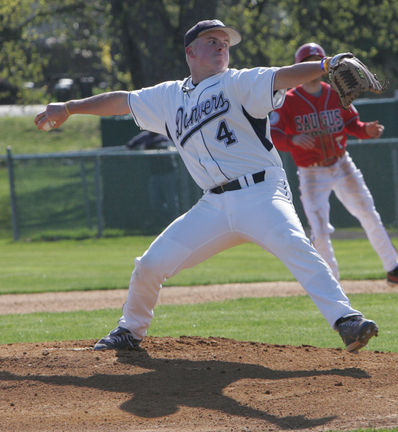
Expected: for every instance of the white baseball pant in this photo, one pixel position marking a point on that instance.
(263, 214)
(347, 182)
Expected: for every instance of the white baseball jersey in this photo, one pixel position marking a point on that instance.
(220, 126)
(221, 130)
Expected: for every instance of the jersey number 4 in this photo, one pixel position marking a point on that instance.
(225, 134)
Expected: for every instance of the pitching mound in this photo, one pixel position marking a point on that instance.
(194, 385)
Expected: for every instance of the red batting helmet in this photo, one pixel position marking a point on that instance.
(307, 50)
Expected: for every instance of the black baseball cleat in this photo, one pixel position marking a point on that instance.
(356, 331)
(392, 276)
(118, 339)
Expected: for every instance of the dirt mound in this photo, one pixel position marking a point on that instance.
(191, 384)
(194, 385)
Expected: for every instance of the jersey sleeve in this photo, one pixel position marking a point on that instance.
(255, 89)
(280, 130)
(353, 125)
(147, 108)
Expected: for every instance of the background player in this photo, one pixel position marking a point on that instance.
(313, 127)
(218, 120)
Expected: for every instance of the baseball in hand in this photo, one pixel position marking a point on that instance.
(47, 124)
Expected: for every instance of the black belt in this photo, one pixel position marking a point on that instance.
(235, 185)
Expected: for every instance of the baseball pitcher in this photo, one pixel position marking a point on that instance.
(218, 120)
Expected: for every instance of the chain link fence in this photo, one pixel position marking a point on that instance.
(135, 192)
(140, 192)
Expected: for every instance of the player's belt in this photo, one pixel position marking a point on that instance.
(327, 162)
(235, 184)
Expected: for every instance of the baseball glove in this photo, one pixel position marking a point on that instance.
(350, 78)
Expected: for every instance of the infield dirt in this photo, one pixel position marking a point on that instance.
(194, 384)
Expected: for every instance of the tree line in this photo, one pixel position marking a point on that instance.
(128, 44)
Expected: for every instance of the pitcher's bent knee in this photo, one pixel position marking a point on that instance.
(149, 268)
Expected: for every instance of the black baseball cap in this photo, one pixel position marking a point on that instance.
(207, 25)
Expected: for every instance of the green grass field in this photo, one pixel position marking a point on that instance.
(288, 320)
(107, 263)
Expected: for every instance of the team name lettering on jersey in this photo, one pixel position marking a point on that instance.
(187, 123)
(329, 121)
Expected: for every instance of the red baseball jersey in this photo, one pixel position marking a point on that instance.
(321, 117)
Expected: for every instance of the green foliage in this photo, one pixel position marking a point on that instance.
(44, 40)
(153, 53)
(273, 30)
(118, 44)
(19, 58)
